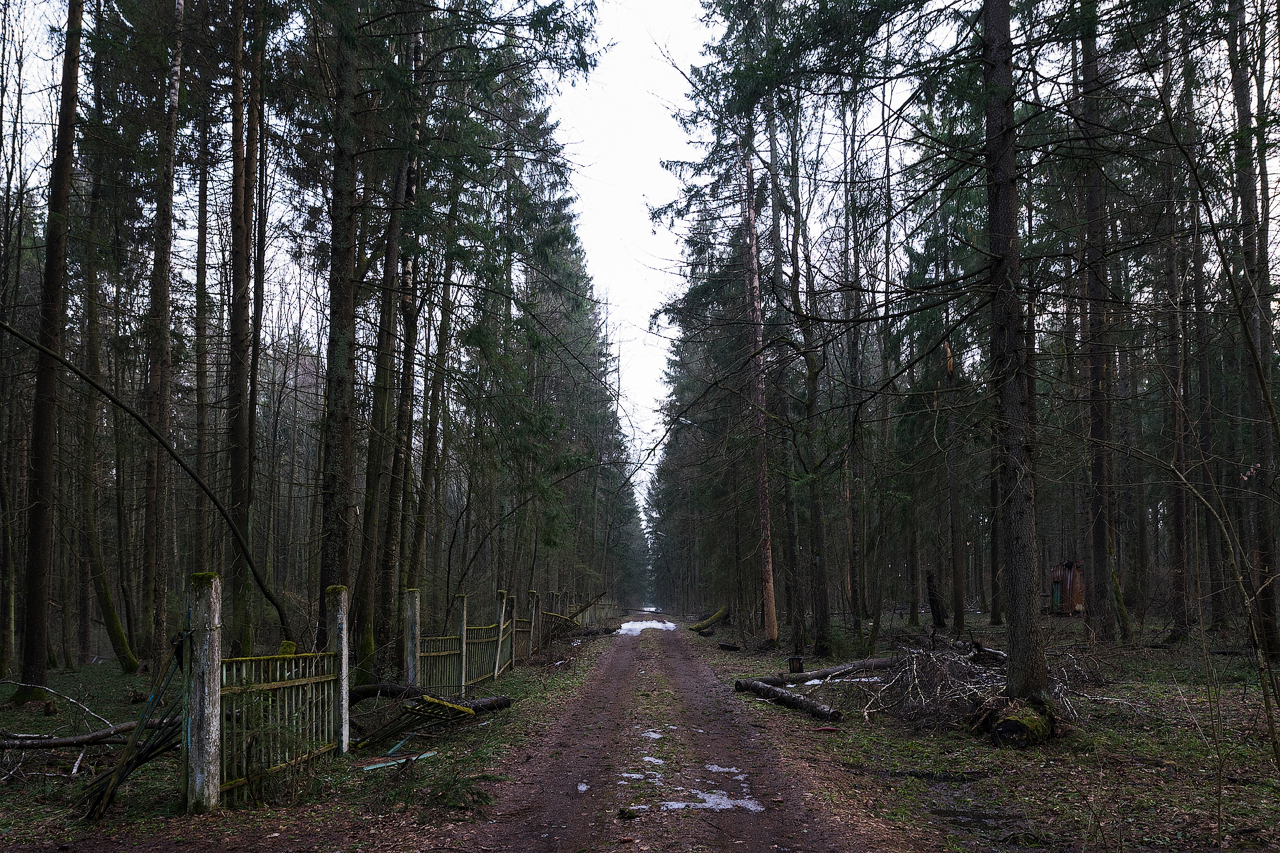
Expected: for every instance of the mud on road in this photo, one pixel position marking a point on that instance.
(654, 754)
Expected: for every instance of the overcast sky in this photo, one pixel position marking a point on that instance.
(618, 128)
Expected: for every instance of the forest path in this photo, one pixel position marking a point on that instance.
(654, 753)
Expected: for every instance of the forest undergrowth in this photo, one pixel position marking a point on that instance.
(38, 789)
(1157, 749)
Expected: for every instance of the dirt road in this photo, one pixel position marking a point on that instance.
(655, 754)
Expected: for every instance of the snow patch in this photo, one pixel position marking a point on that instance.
(582, 787)
(633, 629)
(652, 760)
(717, 801)
(651, 734)
(716, 768)
(632, 775)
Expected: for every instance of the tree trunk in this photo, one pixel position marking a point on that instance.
(337, 524)
(1028, 674)
(997, 603)
(44, 415)
(371, 610)
(239, 417)
(1101, 614)
(759, 418)
(91, 541)
(1257, 299)
(155, 565)
(953, 500)
(200, 543)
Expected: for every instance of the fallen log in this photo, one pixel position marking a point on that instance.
(719, 616)
(868, 665)
(730, 647)
(487, 705)
(88, 738)
(788, 699)
(983, 656)
(404, 691)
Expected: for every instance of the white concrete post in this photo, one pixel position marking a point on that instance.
(502, 621)
(533, 621)
(339, 637)
(462, 646)
(515, 625)
(204, 717)
(412, 637)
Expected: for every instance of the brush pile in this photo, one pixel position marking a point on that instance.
(938, 683)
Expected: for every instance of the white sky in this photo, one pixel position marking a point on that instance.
(618, 128)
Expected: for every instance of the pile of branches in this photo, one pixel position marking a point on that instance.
(940, 683)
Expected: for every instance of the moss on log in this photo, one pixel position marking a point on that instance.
(1013, 722)
(719, 616)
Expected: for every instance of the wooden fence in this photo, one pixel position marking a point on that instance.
(477, 654)
(249, 718)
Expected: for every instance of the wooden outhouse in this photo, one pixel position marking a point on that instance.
(1066, 587)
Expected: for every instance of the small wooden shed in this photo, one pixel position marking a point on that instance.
(1066, 587)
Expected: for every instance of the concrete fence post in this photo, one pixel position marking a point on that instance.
(339, 639)
(204, 716)
(502, 621)
(462, 646)
(515, 626)
(412, 637)
(533, 621)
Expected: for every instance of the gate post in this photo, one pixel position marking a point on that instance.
(533, 621)
(502, 621)
(204, 718)
(339, 639)
(462, 646)
(412, 637)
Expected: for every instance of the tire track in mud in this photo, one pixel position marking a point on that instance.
(654, 733)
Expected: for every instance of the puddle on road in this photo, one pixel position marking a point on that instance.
(633, 629)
